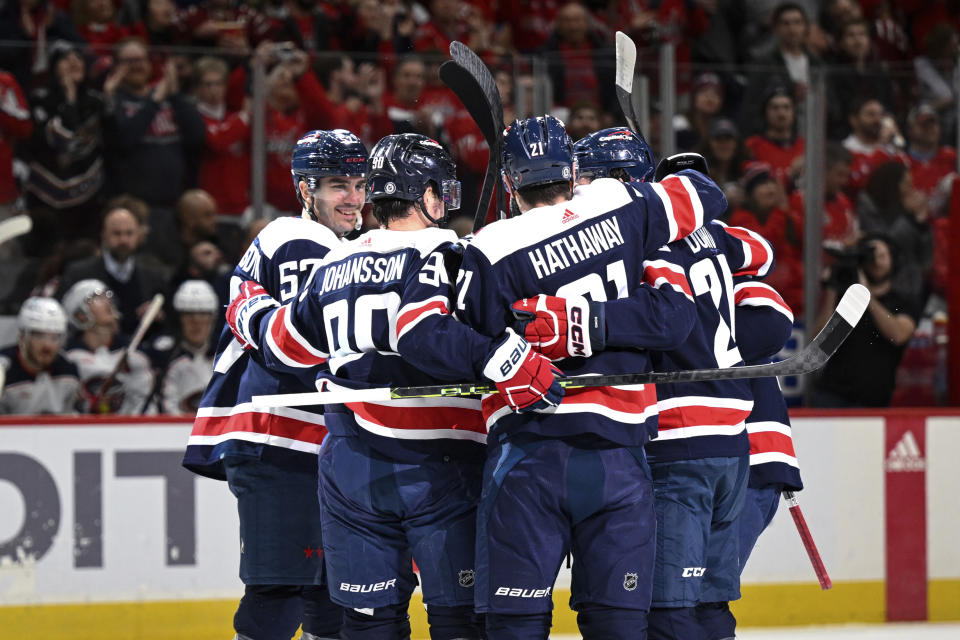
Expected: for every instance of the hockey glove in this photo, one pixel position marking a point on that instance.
(244, 312)
(679, 162)
(526, 380)
(561, 327)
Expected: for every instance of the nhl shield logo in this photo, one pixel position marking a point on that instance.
(630, 581)
(466, 578)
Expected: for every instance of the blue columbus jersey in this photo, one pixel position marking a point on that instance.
(706, 419)
(593, 245)
(283, 258)
(378, 311)
(764, 322)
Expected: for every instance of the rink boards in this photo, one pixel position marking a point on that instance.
(103, 534)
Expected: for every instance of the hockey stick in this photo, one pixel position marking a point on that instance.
(626, 62)
(14, 227)
(148, 317)
(812, 357)
(807, 538)
(475, 67)
(466, 88)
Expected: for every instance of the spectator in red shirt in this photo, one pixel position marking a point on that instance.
(778, 144)
(452, 20)
(932, 166)
(15, 124)
(96, 23)
(404, 110)
(225, 166)
(867, 142)
(529, 20)
(578, 60)
(765, 211)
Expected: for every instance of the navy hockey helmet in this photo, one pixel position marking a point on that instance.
(615, 148)
(403, 165)
(538, 151)
(319, 154)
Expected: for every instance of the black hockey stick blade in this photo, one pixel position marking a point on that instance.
(626, 62)
(471, 62)
(846, 316)
(468, 90)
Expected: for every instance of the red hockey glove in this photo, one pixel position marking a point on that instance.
(561, 327)
(525, 379)
(244, 312)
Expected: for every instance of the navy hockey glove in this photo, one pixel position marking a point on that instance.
(244, 312)
(526, 380)
(561, 327)
(679, 162)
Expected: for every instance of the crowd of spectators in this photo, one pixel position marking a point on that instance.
(126, 126)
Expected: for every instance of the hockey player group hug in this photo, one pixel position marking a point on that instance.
(609, 265)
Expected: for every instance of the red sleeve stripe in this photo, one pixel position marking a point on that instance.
(681, 204)
(771, 438)
(423, 419)
(660, 272)
(680, 417)
(634, 404)
(258, 426)
(757, 252)
(411, 314)
(758, 294)
(286, 343)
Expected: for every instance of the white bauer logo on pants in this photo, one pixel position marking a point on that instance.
(518, 592)
(367, 588)
(693, 572)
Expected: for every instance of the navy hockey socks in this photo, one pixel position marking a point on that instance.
(717, 620)
(322, 618)
(598, 622)
(530, 626)
(674, 624)
(453, 623)
(268, 612)
(384, 623)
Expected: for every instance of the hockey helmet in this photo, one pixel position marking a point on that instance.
(41, 314)
(77, 297)
(615, 148)
(195, 296)
(403, 165)
(319, 154)
(538, 151)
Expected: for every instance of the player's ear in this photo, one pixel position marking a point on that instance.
(305, 193)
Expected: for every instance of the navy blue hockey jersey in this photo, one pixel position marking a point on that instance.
(706, 419)
(27, 392)
(593, 245)
(283, 258)
(379, 311)
(764, 322)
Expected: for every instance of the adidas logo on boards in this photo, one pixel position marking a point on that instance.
(568, 216)
(905, 455)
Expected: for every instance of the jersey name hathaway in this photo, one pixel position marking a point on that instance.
(363, 269)
(575, 247)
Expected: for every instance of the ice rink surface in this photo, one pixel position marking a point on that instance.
(903, 631)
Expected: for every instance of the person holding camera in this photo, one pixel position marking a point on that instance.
(863, 371)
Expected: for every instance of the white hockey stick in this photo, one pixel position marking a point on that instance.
(14, 227)
(847, 314)
(156, 304)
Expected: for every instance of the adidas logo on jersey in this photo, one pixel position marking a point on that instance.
(568, 216)
(905, 455)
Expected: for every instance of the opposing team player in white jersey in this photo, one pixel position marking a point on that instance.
(268, 456)
(399, 479)
(698, 459)
(574, 477)
(39, 379)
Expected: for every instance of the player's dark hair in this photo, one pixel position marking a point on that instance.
(386, 210)
(619, 173)
(783, 7)
(541, 194)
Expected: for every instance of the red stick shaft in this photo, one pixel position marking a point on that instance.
(807, 538)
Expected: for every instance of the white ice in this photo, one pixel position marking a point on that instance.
(889, 631)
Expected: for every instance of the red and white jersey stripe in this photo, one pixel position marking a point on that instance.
(771, 442)
(682, 205)
(284, 427)
(757, 252)
(287, 343)
(758, 294)
(411, 314)
(660, 273)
